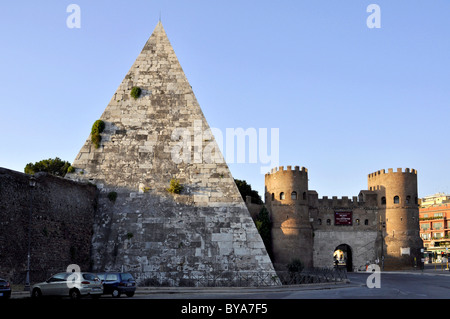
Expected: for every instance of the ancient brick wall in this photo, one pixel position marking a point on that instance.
(62, 215)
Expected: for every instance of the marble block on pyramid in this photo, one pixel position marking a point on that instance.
(148, 141)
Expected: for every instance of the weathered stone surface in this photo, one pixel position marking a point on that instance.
(62, 214)
(205, 228)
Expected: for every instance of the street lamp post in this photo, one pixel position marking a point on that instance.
(382, 225)
(27, 279)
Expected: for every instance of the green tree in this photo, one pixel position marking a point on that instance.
(262, 221)
(246, 190)
(54, 166)
(264, 226)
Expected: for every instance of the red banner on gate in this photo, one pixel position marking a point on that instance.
(343, 218)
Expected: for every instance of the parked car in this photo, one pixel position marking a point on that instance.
(73, 285)
(117, 283)
(5, 289)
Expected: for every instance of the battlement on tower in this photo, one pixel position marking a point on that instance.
(368, 199)
(282, 170)
(344, 201)
(391, 171)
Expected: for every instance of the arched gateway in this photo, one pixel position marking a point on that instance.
(342, 257)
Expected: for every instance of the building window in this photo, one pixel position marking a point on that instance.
(328, 222)
(408, 199)
(273, 196)
(319, 221)
(294, 195)
(437, 226)
(357, 221)
(281, 195)
(396, 200)
(383, 200)
(366, 222)
(304, 195)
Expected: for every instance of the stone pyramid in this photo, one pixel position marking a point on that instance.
(162, 135)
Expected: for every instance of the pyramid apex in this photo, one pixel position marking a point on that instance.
(159, 26)
(158, 31)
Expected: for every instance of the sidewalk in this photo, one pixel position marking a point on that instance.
(171, 290)
(206, 290)
(431, 269)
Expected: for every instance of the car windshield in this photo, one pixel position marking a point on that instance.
(127, 277)
(58, 277)
(90, 277)
(111, 277)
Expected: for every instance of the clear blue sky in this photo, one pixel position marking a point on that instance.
(348, 100)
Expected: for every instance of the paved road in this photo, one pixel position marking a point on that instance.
(392, 286)
(428, 284)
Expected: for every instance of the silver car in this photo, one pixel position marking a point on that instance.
(73, 285)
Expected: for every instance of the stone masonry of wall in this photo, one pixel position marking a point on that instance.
(363, 236)
(384, 223)
(62, 215)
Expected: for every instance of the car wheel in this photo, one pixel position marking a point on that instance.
(36, 293)
(130, 294)
(74, 294)
(116, 293)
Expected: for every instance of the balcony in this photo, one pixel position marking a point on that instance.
(432, 218)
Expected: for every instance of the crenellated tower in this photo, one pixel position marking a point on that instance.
(286, 198)
(398, 205)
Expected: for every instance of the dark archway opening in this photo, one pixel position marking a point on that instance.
(342, 257)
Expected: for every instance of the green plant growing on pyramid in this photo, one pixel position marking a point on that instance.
(97, 128)
(135, 92)
(175, 187)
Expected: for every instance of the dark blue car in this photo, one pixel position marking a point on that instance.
(5, 289)
(118, 283)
